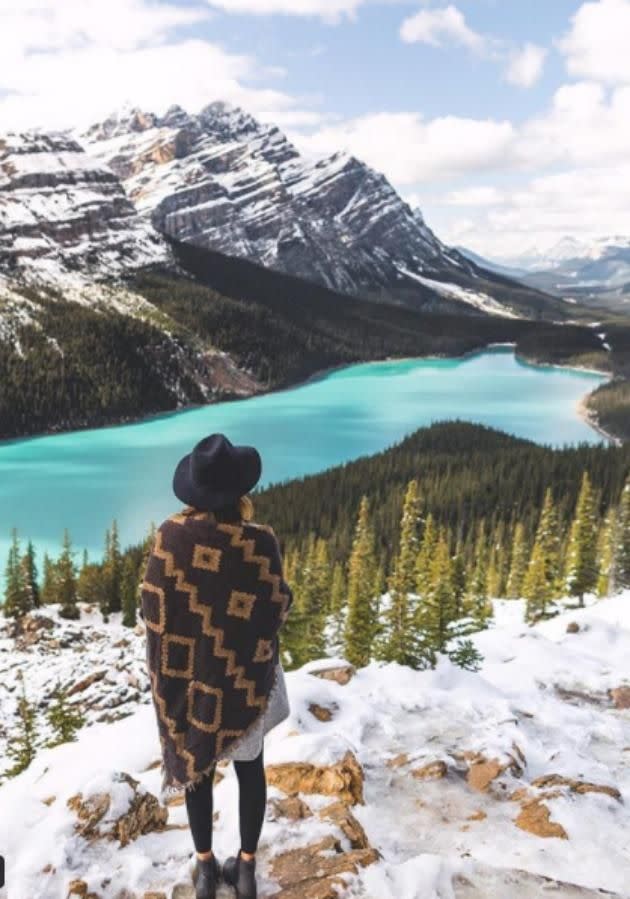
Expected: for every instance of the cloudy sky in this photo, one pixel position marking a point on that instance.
(506, 121)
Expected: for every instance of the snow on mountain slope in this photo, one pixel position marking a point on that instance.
(477, 299)
(62, 211)
(474, 785)
(222, 180)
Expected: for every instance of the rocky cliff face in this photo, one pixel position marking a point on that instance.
(220, 179)
(63, 211)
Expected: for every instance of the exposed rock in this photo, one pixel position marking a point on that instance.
(398, 761)
(484, 881)
(29, 629)
(575, 786)
(339, 673)
(321, 712)
(431, 771)
(481, 773)
(143, 815)
(313, 871)
(344, 779)
(77, 889)
(86, 682)
(535, 818)
(340, 814)
(478, 815)
(153, 894)
(573, 627)
(291, 807)
(621, 697)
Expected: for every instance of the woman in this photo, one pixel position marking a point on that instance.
(213, 601)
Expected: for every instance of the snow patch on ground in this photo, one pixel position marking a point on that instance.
(541, 689)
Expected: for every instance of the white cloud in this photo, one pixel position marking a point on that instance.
(331, 11)
(526, 66)
(409, 150)
(475, 196)
(596, 45)
(72, 63)
(440, 26)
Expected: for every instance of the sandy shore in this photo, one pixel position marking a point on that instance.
(590, 418)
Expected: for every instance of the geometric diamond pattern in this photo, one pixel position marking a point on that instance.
(205, 706)
(241, 604)
(206, 557)
(177, 656)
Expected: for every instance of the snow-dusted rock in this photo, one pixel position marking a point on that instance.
(62, 211)
(343, 778)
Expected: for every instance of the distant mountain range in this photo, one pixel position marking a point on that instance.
(596, 272)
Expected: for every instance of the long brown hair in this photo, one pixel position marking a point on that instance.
(241, 510)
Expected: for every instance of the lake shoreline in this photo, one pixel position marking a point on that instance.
(319, 375)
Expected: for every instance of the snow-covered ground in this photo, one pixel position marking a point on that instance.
(540, 705)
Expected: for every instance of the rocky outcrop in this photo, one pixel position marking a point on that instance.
(343, 779)
(621, 697)
(535, 818)
(341, 674)
(64, 211)
(316, 871)
(143, 813)
(431, 771)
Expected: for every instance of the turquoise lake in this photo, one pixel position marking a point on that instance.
(84, 479)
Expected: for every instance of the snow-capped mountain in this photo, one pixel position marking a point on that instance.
(571, 267)
(63, 211)
(384, 783)
(222, 180)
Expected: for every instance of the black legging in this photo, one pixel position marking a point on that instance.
(252, 799)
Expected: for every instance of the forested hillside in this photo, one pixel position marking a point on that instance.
(451, 517)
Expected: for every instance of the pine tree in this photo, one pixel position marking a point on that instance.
(129, 589)
(64, 719)
(17, 597)
(425, 555)
(581, 570)
(477, 605)
(536, 586)
(622, 541)
(458, 580)
(437, 609)
(50, 581)
(67, 581)
(315, 590)
(360, 621)
(518, 563)
(23, 747)
(29, 567)
(548, 536)
(606, 555)
(112, 571)
(397, 639)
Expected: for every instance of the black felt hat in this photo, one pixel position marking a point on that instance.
(216, 473)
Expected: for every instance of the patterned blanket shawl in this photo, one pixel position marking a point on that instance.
(213, 600)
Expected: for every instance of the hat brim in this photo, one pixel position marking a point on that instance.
(214, 498)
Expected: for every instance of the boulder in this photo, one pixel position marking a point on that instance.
(344, 779)
(482, 772)
(431, 771)
(621, 697)
(535, 818)
(144, 814)
(291, 807)
(397, 761)
(339, 673)
(29, 629)
(340, 814)
(86, 681)
(316, 871)
(321, 712)
(77, 889)
(573, 627)
(575, 786)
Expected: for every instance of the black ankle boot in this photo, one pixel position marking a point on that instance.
(206, 876)
(241, 874)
